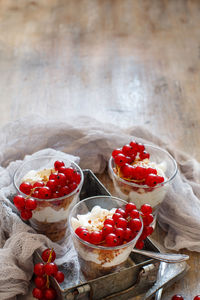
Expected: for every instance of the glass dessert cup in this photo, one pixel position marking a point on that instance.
(142, 194)
(95, 260)
(51, 215)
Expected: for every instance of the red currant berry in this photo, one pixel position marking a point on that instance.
(95, 237)
(30, 204)
(79, 230)
(56, 195)
(134, 146)
(140, 147)
(35, 194)
(77, 177)
(111, 240)
(144, 155)
(58, 164)
(151, 171)
(121, 211)
(26, 214)
(50, 269)
(59, 276)
(40, 281)
(38, 184)
(134, 214)
(72, 186)
(61, 179)
(160, 179)
(69, 173)
(109, 221)
(146, 209)
(135, 224)
(39, 269)
(129, 160)
(44, 193)
(37, 293)
(147, 219)
(52, 176)
(65, 190)
(46, 254)
(139, 244)
(120, 232)
(197, 297)
(25, 187)
(19, 202)
(127, 150)
(116, 152)
(127, 170)
(129, 207)
(107, 229)
(52, 184)
(177, 297)
(116, 216)
(85, 235)
(127, 234)
(121, 223)
(120, 159)
(147, 230)
(50, 294)
(151, 180)
(140, 173)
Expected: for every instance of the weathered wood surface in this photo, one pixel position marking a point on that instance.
(123, 61)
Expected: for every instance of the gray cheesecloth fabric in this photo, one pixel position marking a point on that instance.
(92, 142)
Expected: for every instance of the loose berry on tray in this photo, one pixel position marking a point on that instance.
(59, 276)
(44, 290)
(177, 297)
(39, 269)
(46, 254)
(197, 297)
(37, 293)
(50, 294)
(50, 268)
(40, 281)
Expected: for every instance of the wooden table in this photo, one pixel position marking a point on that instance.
(124, 61)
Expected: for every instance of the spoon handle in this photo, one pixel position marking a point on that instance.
(166, 257)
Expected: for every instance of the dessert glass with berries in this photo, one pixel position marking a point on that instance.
(48, 187)
(104, 231)
(142, 173)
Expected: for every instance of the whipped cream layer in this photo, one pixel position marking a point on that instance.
(41, 175)
(94, 221)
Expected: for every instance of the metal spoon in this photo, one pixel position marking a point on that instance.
(166, 257)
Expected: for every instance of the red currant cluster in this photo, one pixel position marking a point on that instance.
(128, 161)
(43, 290)
(60, 183)
(179, 297)
(121, 228)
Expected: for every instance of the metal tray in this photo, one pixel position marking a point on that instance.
(136, 278)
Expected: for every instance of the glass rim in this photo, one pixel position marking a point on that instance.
(52, 199)
(97, 246)
(144, 185)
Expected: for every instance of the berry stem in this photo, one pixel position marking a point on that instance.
(50, 256)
